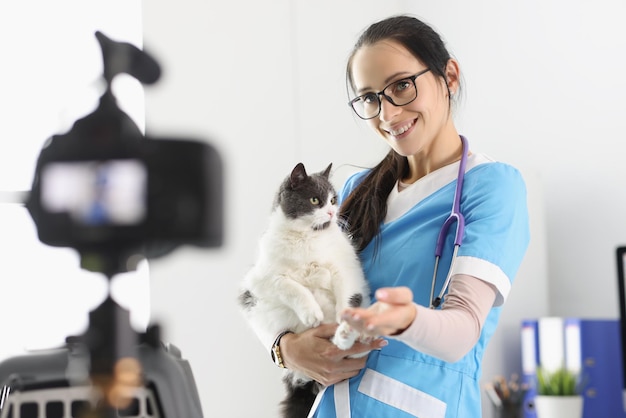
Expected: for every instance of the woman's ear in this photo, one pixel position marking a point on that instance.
(452, 75)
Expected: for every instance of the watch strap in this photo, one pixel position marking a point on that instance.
(277, 357)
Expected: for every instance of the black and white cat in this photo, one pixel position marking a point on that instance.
(306, 273)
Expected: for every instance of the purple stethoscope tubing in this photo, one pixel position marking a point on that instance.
(455, 216)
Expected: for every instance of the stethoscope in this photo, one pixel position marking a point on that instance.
(455, 216)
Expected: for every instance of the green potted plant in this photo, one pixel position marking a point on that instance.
(559, 394)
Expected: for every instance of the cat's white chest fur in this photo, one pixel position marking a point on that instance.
(287, 244)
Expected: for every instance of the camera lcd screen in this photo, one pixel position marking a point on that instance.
(94, 193)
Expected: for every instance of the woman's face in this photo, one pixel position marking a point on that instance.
(413, 128)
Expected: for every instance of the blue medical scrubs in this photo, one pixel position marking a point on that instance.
(399, 381)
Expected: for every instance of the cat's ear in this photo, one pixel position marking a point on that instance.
(298, 175)
(326, 172)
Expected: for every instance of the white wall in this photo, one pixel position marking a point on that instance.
(544, 91)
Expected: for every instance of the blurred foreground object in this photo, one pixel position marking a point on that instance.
(117, 197)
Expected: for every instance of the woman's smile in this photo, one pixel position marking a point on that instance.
(402, 130)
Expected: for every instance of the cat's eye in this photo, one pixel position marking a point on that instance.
(315, 201)
(333, 200)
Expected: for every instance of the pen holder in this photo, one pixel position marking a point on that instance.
(507, 398)
(509, 409)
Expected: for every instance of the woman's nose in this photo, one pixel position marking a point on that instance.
(387, 110)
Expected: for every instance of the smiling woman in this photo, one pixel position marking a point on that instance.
(49, 78)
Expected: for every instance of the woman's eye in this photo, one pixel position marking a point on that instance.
(370, 98)
(315, 201)
(401, 85)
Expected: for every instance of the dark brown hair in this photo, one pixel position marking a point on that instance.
(365, 208)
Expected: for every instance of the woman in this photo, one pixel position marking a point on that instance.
(428, 365)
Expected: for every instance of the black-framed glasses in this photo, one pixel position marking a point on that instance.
(399, 93)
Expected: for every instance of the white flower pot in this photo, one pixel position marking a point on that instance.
(559, 406)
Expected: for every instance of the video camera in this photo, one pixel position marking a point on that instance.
(106, 190)
(116, 195)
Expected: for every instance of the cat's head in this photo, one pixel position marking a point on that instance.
(308, 198)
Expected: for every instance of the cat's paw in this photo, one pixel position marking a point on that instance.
(345, 336)
(311, 317)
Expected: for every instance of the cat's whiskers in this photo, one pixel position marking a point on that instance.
(343, 223)
(321, 227)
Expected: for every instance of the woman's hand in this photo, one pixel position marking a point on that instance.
(312, 353)
(393, 312)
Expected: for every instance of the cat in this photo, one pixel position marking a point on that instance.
(307, 273)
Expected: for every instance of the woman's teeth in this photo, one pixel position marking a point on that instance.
(402, 129)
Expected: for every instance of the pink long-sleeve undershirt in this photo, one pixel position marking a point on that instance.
(449, 333)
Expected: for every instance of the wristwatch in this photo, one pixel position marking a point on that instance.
(276, 356)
